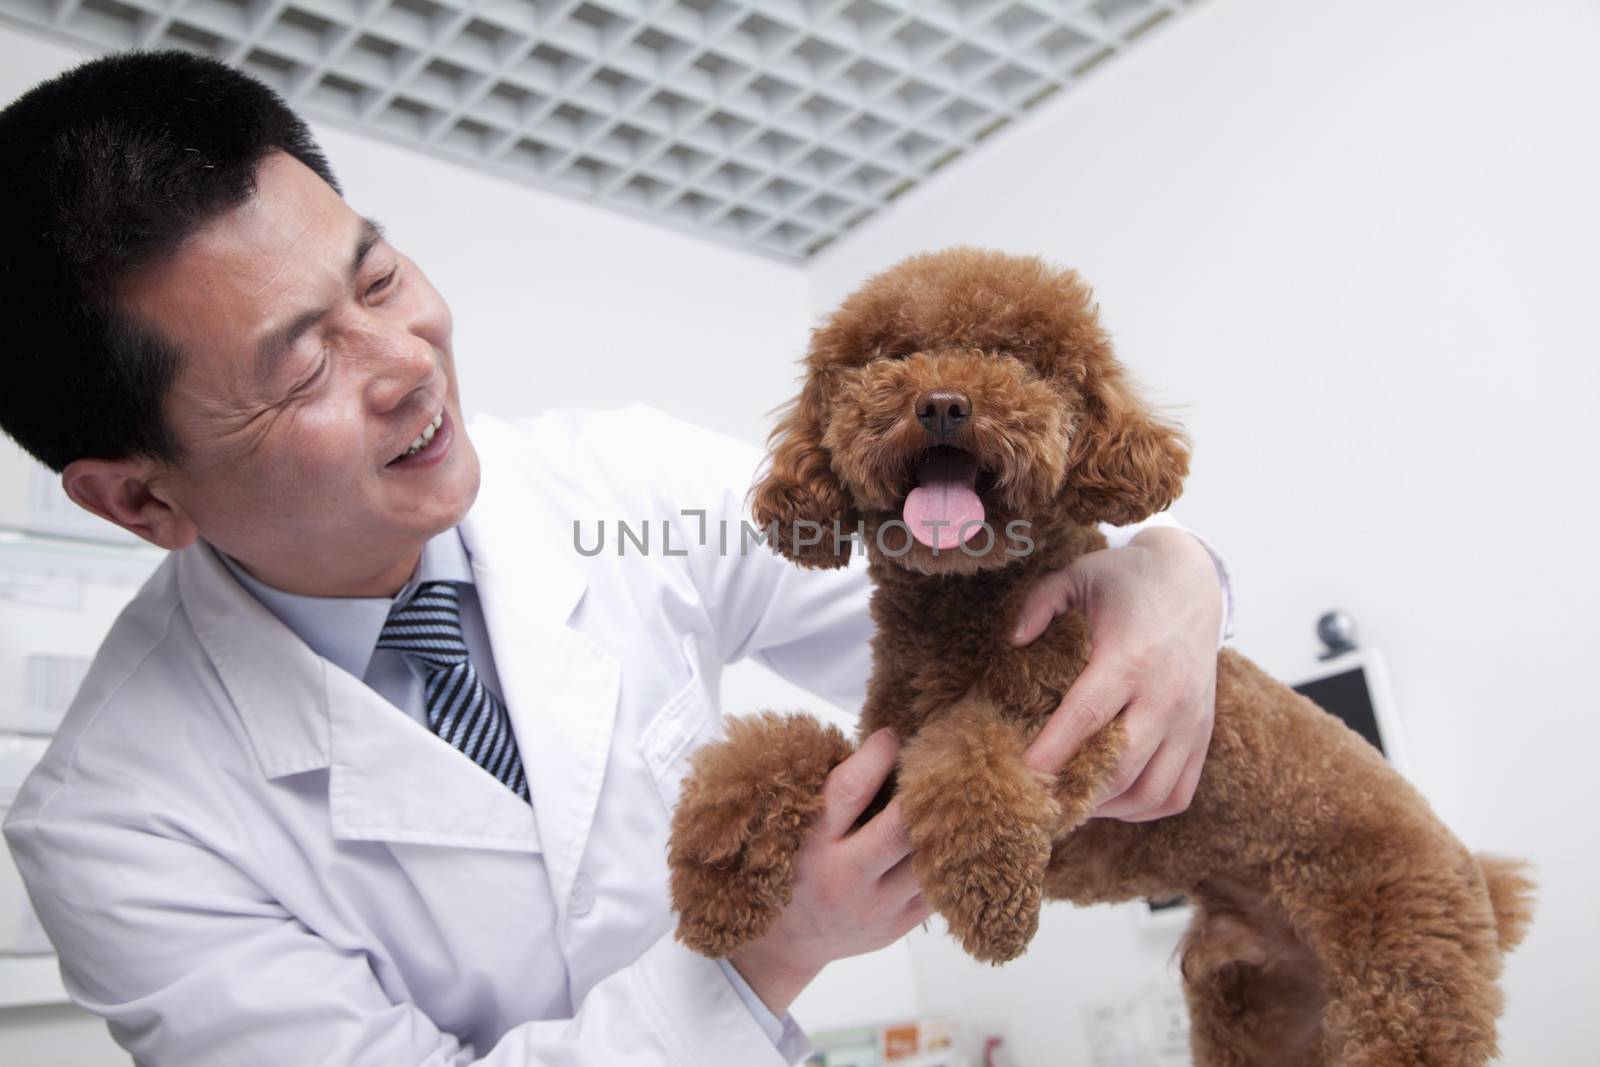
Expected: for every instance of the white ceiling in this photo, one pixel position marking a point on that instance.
(775, 125)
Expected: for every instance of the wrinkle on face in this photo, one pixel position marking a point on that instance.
(283, 261)
(284, 466)
(220, 410)
(232, 431)
(224, 416)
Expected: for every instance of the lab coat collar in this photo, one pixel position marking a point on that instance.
(389, 778)
(277, 684)
(561, 689)
(345, 630)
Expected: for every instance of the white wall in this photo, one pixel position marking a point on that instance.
(1356, 242)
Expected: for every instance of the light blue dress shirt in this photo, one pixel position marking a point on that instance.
(344, 631)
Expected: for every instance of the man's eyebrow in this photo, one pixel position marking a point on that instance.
(279, 341)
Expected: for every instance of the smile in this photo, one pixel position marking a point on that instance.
(425, 436)
(421, 442)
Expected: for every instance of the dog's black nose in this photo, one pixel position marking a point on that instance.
(942, 411)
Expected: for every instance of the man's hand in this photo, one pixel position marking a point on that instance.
(1154, 610)
(853, 892)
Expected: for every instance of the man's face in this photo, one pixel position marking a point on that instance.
(313, 355)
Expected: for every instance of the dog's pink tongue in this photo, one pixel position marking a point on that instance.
(945, 499)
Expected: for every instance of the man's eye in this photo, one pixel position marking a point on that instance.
(380, 285)
(311, 379)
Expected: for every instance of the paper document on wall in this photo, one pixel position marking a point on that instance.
(49, 682)
(27, 937)
(1149, 1028)
(32, 563)
(18, 755)
(58, 599)
(20, 932)
(39, 591)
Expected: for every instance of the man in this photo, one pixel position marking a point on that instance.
(377, 768)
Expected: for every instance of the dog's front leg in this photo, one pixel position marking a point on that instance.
(1079, 785)
(981, 823)
(746, 808)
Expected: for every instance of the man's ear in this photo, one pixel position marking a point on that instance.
(799, 494)
(120, 491)
(1125, 463)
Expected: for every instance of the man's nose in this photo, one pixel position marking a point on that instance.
(401, 366)
(942, 411)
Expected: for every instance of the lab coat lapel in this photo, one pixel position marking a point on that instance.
(392, 779)
(389, 777)
(560, 688)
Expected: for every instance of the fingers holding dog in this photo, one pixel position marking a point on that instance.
(1095, 699)
(851, 786)
(1159, 773)
(882, 844)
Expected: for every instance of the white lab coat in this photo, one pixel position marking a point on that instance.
(247, 858)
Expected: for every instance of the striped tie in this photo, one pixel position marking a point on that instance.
(427, 630)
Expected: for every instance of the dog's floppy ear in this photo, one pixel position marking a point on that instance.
(1125, 463)
(800, 499)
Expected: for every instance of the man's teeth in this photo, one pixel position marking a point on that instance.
(425, 436)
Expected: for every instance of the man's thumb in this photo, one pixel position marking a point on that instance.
(1048, 597)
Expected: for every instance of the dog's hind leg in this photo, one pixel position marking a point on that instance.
(1409, 953)
(746, 807)
(1254, 989)
(981, 824)
(1246, 1015)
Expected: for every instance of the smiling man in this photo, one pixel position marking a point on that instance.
(377, 769)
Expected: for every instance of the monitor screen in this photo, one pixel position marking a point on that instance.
(1348, 696)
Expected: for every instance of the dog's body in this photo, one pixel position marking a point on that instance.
(1337, 921)
(1287, 865)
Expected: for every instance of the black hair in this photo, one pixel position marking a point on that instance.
(104, 169)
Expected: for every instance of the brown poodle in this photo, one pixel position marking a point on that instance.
(964, 416)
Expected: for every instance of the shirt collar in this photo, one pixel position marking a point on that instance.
(345, 630)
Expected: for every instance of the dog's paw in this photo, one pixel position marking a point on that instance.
(987, 887)
(1079, 785)
(721, 909)
(981, 823)
(723, 900)
(743, 813)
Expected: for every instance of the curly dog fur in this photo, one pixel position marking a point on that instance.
(1336, 921)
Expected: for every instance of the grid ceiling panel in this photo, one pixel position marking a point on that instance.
(771, 124)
